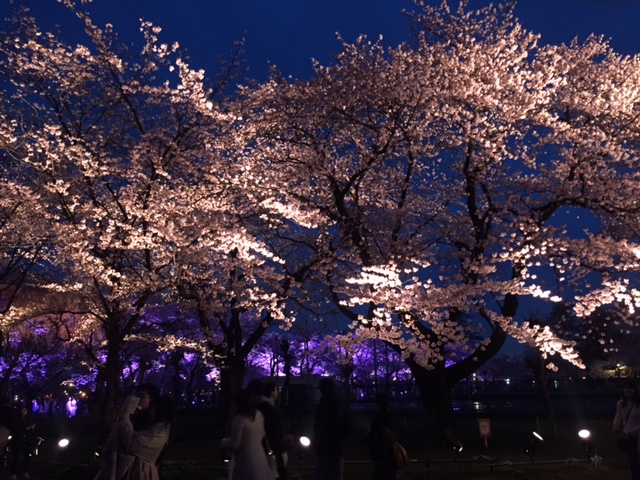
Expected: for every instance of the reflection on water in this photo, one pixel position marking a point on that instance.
(533, 404)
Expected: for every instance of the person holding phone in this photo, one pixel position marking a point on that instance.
(146, 444)
(145, 392)
(132, 454)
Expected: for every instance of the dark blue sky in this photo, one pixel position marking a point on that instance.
(289, 33)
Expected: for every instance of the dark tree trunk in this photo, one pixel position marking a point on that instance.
(435, 386)
(231, 379)
(285, 349)
(437, 403)
(537, 365)
(109, 405)
(176, 358)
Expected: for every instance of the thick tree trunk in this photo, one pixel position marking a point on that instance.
(435, 386)
(437, 403)
(231, 379)
(285, 349)
(176, 358)
(539, 368)
(109, 406)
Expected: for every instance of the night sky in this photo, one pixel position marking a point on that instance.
(288, 33)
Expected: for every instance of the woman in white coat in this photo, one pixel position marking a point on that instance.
(131, 454)
(246, 444)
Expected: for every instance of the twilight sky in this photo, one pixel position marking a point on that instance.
(289, 33)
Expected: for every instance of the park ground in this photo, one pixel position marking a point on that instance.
(194, 454)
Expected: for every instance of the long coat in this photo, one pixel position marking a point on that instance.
(131, 455)
(249, 459)
(145, 446)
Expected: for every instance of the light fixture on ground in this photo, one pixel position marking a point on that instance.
(305, 442)
(454, 443)
(587, 443)
(534, 444)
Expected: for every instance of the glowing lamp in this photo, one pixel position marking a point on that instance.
(534, 443)
(587, 443)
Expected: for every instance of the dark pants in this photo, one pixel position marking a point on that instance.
(634, 459)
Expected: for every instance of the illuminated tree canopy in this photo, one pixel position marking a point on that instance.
(419, 192)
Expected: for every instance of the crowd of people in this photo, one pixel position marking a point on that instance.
(258, 443)
(17, 430)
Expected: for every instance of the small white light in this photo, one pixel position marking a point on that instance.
(63, 442)
(304, 441)
(538, 436)
(584, 434)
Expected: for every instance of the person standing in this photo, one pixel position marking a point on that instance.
(7, 421)
(246, 444)
(381, 440)
(133, 454)
(146, 443)
(115, 461)
(21, 440)
(331, 426)
(145, 392)
(274, 426)
(626, 424)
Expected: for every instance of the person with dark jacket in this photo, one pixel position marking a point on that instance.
(381, 440)
(22, 438)
(626, 424)
(331, 426)
(274, 426)
(8, 417)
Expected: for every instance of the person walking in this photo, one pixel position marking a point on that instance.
(381, 440)
(331, 426)
(274, 426)
(626, 424)
(249, 460)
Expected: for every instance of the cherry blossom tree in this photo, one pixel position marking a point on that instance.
(23, 241)
(438, 179)
(422, 192)
(115, 143)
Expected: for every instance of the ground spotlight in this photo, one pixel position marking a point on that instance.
(587, 443)
(454, 443)
(534, 443)
(64, 442)
(305, 442)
